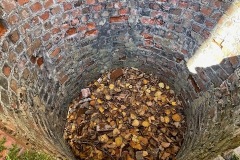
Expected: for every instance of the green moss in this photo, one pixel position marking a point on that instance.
(235, 157)
(13, 153)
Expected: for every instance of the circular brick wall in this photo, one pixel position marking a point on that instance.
(50, 49)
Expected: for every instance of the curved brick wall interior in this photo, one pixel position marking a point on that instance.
(50, 49)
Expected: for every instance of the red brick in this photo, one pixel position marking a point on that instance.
(91, 32)
(206, 11)
(91, 25)
(90, 1)
(56, 10)
(33, 59)
(6, 70)
(36, 7)
(147, 36)
(8, 5)
(123, 11)
(45, 15)
(118, 19)
(40, 61)
(147, 21)
(55, 30)
(48, 3)
(71, 31)
(82, 28)
(183, 4)
(13, 19)
(206, 34)
(97, 8)
(209, 24)
(14, 85)
(55, 52)
(196, 28)
(63, 79)
(46, 36)
(22, 2)
(67, 6)
(75, 22)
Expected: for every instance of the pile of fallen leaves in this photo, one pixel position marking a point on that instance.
(128, 115)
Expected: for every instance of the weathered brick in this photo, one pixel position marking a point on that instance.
(90, 1)
(40, 61)
(93, 32)
(22, 2)
(118, 19)
(67, 6)
(6, 70)
(14, 36)
(3, 29)
(4, 97)
(123, 11)
(91, 25)
(3, 82)
(8, 5)
(55, 10)
(206, 10)
(14, 85)
(13, 19)
(176, 11)
(36, 7)
(199, 18)
(71, 31)
(45, 15)
(97, 8)
(55, 52)
(19, 48)
(25, 73)
(48, 3)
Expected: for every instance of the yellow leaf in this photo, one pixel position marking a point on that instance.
(108, 97)
(161, 85)
(124, 114)
(144, 153)
(103, 138)
(111, 86)
(176, 117)
(174, 103)
(167, 111)
(133, 116)
(135, 139)
(153, 88)
(166, 119)
(101, 109)
(145, 124)
(167, 87)
(158, 94)
(99, 101)
(135, 123)
(116, 132)
(118, 141)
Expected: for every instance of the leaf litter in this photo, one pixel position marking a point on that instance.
(125, 115)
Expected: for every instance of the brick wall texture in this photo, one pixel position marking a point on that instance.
(50, 49)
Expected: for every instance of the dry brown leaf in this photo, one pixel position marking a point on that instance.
(116, 132)
(165, 144)
(103, 138)
(165, 155)
(101, 109)
(167, 111)
(145, 81)
(135, 123)
(133, 116)
(135, 145)
(176, 117)
(174, 103)
(108, 97)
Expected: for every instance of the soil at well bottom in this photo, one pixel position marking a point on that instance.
(125, 115)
